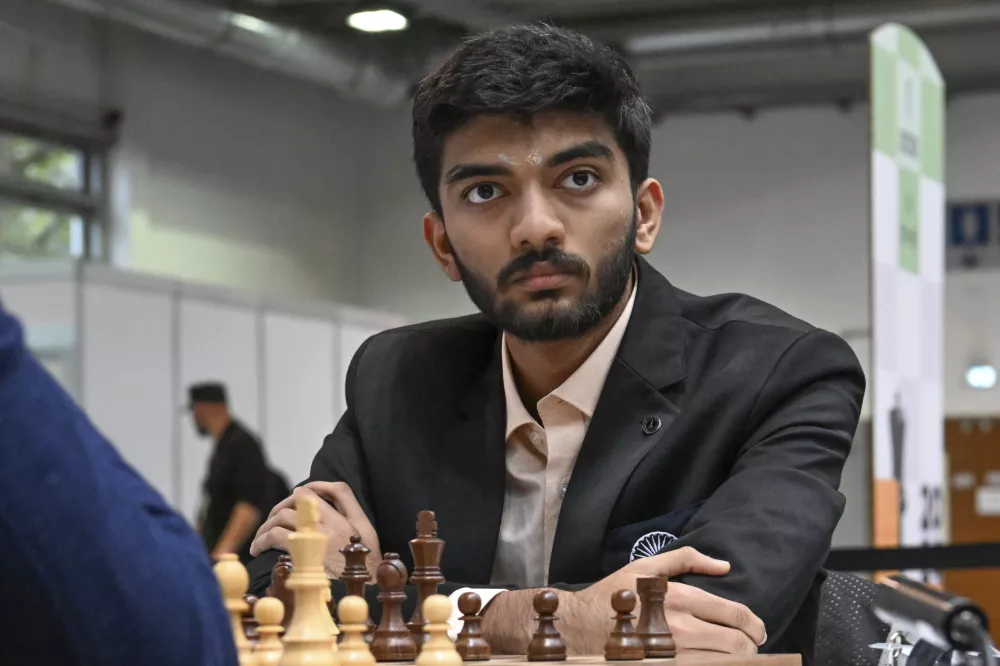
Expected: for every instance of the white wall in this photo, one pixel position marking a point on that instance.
(225, 174)
(776, 207)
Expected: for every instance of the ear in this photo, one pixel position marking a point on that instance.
(649, 211)
(437, 240)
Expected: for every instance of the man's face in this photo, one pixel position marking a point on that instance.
(198, 416)
(540, 220)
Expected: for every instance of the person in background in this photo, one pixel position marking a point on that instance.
(95, 567)
(238, 488)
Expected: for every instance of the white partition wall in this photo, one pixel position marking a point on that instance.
(128, 346)
(302, 386)
(44, 297)
(127, 371)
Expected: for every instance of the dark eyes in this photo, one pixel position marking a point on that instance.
(482, 193)
(580, 181)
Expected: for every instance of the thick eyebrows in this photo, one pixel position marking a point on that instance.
(590, 148)
(466, 171)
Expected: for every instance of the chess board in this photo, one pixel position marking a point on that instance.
(681, 660)
(300, 590)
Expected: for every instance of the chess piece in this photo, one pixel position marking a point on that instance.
(437, 649)
(652, 629)
(623, 643)
(353, 611)
(470, 642)
(269, 613)
(249, 623)
(330, 608)
(426, 549)
(279, 586)
(308, 640)
(393, 640)
(546, 644)
(233, 580)
(355, 575)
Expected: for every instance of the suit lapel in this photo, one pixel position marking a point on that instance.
(649, 360)
(469, 479)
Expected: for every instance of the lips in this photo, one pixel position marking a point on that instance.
(542, 277)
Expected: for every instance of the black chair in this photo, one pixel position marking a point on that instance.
(847, 625)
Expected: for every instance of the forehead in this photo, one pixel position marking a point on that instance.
(491, 139)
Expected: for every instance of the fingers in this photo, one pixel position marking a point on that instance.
(341, 496)
(276, 537)
(715, 610)
(287, 503)
(681, 561)
(329, 517)
(284, 518)
(692, 633)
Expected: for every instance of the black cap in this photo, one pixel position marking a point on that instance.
(206, 392)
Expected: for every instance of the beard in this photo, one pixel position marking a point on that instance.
(556, 321)
(202, 431)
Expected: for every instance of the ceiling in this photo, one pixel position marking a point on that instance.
(690, 55)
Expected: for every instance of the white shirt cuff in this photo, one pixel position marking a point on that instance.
(455, 621)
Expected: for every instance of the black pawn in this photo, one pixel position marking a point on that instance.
(546, 644)
(470, 642)
(393, 640)
(623, 643)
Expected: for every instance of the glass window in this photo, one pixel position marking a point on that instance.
(51, 203)
(28, 158)
(29, 232)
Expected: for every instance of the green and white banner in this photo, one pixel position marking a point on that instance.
(907, 245)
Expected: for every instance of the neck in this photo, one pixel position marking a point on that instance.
(541, 367)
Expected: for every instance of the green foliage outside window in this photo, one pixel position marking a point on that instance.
(27, 230)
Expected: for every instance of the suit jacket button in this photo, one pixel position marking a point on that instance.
(650, 425)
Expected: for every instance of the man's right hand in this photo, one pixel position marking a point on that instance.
(699, 621)
(340, 516)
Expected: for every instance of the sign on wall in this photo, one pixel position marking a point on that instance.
(973, 235)
(908, 234)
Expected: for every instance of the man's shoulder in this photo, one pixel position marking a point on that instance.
(454, 328)
(240, 435)
(741, 314)
(441, 347)
(734, 326)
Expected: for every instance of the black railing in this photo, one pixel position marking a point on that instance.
(965, 556)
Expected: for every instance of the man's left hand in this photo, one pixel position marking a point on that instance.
(340, 516)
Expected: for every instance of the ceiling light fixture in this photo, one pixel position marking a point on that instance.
(251, 23)
(981, 376)
(377, 20)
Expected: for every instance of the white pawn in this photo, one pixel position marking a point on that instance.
(353, 613)
(437, 650)
(269, 612)
(233, 580)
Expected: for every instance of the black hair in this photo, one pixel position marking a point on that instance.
(522, 70)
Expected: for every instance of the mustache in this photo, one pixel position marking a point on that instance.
(555, 257)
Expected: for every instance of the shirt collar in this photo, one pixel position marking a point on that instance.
(583, 388)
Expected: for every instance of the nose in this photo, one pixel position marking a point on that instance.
(538, 225)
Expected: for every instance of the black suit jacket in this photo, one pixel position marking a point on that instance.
(757, 412)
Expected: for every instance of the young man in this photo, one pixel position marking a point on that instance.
(592, 414)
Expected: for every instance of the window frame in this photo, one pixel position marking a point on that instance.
(94, 139)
